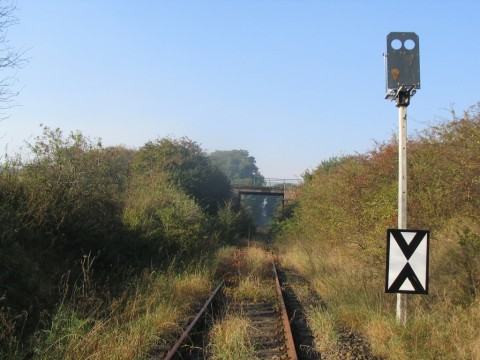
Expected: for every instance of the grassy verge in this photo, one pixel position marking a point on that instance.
(147, 315)
(336, 238)
(438, 327)
(132, 325)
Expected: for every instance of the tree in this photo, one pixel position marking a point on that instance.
(189, 168)
(11, 59)
(238, 165)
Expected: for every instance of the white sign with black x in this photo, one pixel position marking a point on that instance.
(407, 261)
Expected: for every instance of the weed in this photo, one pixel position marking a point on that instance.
(229, 339)
(253, 289)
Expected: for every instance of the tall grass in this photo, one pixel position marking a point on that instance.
(146, 315)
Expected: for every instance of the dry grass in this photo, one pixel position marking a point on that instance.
(383, 335)
(224, 255)
(439, 326)
(254, 275)
(323, 328)
(229, 339)
(150, 312)
(134, 323)
(259, 261)
(254, 289)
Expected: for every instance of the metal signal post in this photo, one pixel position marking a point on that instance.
(402, 196)
(403, 79)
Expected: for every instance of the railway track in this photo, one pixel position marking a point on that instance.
(191, 344)
(269, 332)
(271, 335)
(273, 323)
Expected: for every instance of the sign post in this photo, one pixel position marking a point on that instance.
(402, 65)
(402, 197)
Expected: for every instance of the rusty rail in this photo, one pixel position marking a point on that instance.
(289, 346)
(292, 354)
(186, 333)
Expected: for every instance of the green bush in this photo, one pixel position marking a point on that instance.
(163, 216)
(188, 167)
(231, 225)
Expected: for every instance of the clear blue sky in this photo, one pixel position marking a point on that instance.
(292, 82)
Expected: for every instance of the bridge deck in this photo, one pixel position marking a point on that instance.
(255, 190)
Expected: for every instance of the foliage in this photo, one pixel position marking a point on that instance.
(188, 167)
(70, 179)
(56, 207)
(74, 201)
(325, 167)
(163, 216)
(231, 225)
(238, 165)
(242, 170)
(343, 210)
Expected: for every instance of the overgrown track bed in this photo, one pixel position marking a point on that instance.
(192, 344)
(270, 332)
(303, 335)
(252, 296)
(261, 312)
(300, 299)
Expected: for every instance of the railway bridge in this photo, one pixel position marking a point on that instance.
(266, 187)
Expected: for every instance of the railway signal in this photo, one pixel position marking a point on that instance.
(402, 72)
(402, 67)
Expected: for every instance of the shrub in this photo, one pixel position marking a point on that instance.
(163, 216)
(188, 167)
(336, 236)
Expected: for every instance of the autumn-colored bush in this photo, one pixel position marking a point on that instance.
(337, 233)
